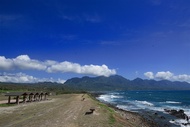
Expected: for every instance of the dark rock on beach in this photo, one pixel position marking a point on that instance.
(179, 114)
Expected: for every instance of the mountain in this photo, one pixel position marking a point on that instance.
(117, 82)
(98, 83)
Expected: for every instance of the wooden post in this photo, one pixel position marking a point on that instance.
(34, 97)
(29, 98)
(9, 99)
(17, 99)
(41, 97)
(45, 97)
(24, 98)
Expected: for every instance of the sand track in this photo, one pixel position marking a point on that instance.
(60, 111)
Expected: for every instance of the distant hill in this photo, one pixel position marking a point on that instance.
(117, 82)
(41, 86)
(100, 83)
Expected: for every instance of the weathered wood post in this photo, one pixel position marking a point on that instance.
(39, 97)
(17, 99)
(45, 96)
(24, 98)
(30, 98)
(9, 100)
(35, 97)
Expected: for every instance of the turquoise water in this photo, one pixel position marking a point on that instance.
(150, 102)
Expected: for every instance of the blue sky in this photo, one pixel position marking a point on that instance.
(54, 40)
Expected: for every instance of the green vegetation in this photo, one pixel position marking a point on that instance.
(111, 119)
(43, 86)
(100, 83)
(106, 107)
(7, 105)
(117, 83)
(110, 111)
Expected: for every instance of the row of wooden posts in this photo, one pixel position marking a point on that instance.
(27, 96)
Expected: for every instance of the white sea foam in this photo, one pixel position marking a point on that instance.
(114, 96)
(179, 122)
(106, 98)
(128, 108)
(109, 98)
(145, 103)
(159, 109)
(173, 102)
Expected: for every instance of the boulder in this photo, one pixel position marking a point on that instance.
(179, 114)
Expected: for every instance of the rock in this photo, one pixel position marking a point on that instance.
(186, 124)
(162, 117)
(179, 114)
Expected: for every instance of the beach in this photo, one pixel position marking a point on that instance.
(69, 110)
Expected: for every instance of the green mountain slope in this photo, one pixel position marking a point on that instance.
(117, 82)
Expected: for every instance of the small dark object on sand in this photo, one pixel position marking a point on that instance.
(90, 112)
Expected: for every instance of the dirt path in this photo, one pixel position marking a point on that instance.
(61, 111)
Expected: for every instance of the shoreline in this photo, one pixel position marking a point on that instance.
(151, 118)
(127, 115)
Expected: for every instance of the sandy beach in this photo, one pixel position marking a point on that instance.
(69, 110)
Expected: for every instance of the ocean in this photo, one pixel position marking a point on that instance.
(152, 104)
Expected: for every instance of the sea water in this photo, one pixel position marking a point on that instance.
(151, 104)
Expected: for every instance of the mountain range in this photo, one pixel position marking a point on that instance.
(117, 82)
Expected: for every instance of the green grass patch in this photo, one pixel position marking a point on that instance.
(7, 105)
(111, 119)
(110, 110)
(106, 107)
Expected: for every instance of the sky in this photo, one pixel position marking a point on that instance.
(55, 40)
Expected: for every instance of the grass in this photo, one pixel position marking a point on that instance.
(106, 107)
(7, 105)
(111, 112)
(111, 119)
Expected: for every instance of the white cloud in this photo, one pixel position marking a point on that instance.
(168, 76)
(61, 81)
(5, 64)
(164, 75)
(150, 75)
(23, 78)
(77, 68)
(97, 70)
(17, 78)
(182, 77)
(24, 62)
(64, 67)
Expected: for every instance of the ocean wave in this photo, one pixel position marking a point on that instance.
(145, 103)
(106, 98)
(179, 122)
(128, 108)
(173, 102)
(114, 96)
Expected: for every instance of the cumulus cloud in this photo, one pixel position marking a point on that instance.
(17, 78)
(167, 75)
(23, 78)
(164, 75)
(5, 64)
(77, 68)
(182, 77)
(150, 75)
(24, 62)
